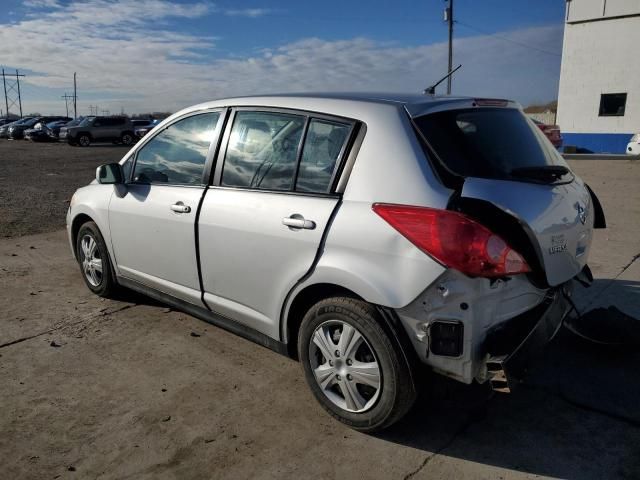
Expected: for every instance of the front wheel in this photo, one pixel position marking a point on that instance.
(355, 369)
(93, 258)
(126, 139)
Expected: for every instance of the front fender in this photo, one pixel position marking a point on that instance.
(91, 201)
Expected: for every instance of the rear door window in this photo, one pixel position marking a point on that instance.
(262, 151)
(323, 145)
(486, 142)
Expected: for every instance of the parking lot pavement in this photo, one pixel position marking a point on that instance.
(94, 388)
(38, 179)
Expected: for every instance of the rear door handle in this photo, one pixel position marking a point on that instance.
(180, 207)
(298, 221)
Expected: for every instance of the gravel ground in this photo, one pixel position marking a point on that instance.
(38, 179)
(128, 388)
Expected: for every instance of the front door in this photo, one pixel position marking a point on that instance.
(153, 222)
(262, 222)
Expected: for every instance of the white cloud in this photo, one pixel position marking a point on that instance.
(248, 12)
(129, 51)
(41, 4)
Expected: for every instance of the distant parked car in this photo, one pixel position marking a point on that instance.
(42, 132)
(53, 128)
(4, 129)
(37, 134)
(142, 130)
(552, 132)
(99, 129)
(4, 121)
(633, 147)
(17, 131)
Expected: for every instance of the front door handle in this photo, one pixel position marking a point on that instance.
(180, 207)
(298, 221)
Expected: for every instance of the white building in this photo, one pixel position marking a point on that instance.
(599, 97)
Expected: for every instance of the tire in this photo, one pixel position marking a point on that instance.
(358, 404)
(84, 140)
(100, 281)
(127, 139)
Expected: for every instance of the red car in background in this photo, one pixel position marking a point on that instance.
(552, 132)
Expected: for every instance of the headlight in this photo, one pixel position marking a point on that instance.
(11, 129)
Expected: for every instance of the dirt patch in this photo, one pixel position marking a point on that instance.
(38, 179)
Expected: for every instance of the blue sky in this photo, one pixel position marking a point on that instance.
(145, 55)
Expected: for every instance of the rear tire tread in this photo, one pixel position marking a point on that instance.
(366, 318)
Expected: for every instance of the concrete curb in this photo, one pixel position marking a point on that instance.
(599, 156)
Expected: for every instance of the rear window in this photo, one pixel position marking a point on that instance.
(486, 142)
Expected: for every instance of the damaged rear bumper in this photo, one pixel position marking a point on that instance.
(478, 329)
(513, 345)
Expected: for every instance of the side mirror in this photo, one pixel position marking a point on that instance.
(110, 173)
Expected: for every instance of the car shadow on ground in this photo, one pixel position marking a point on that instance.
(576, 415)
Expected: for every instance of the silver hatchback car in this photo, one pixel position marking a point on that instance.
(365, 235)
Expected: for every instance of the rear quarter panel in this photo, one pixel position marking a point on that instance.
(362, 252)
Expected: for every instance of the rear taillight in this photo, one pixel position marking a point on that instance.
(454, 240)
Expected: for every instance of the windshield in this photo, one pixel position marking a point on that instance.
(86, 122)
(30, 123)
(22, 121)
(487, 142)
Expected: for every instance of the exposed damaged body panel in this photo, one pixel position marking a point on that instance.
(478, 305)
(558, 219)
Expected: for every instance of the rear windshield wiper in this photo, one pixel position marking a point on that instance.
(543, 172)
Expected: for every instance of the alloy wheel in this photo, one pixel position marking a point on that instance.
(91, 261)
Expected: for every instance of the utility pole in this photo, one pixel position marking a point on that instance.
(19, 97)
(6, 102)
(67, 98)
(448, 16)
(12, 87)
(75, 97)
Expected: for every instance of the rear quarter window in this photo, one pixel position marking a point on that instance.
(323, 145)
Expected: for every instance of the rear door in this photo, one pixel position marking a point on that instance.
(152, 220)
(262, 221)
(100, 129)
(505, 160)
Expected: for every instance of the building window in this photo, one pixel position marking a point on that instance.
(612, 104)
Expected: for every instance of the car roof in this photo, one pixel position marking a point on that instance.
(414, 103)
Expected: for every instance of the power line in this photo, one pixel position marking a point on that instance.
(515, 42)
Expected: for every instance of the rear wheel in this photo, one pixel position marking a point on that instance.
(93, 258)
(84, 140)
(356, 371)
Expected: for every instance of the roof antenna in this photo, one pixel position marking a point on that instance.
(432, 89)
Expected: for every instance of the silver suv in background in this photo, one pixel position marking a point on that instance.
(363, 235)
(99, 129)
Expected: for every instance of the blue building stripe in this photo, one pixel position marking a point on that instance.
(597, 142)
